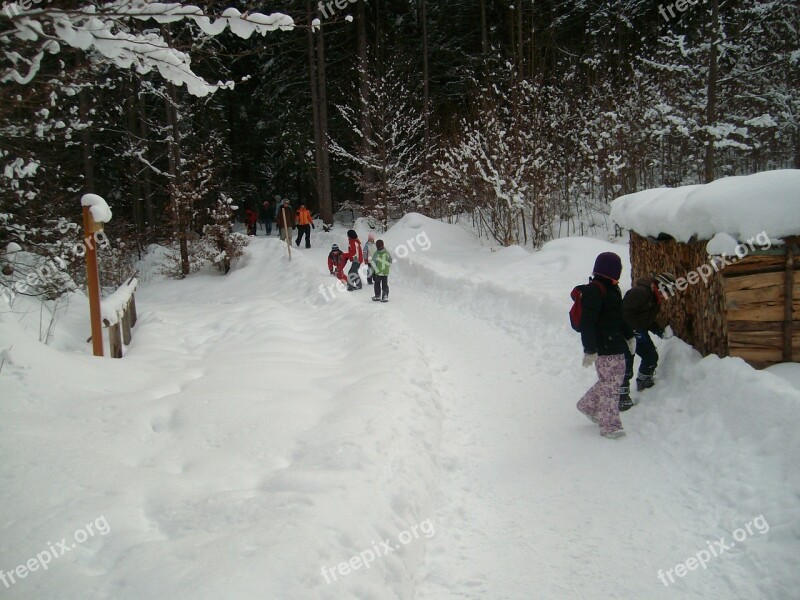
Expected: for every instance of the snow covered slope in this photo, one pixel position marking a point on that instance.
(270, 436)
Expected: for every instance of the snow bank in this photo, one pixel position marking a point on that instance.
(741, 207)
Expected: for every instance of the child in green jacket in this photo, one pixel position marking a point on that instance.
(380, 262)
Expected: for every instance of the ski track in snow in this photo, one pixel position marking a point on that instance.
(257, 432)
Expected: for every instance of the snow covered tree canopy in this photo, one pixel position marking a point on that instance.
(106, 29)
(741, 207)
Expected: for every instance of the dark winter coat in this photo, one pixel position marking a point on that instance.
(640, 306)
(603, 327)
(289, 215)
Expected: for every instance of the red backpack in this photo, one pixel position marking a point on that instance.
(577, 303)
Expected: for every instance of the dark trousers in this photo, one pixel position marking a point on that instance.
(353, 278)
(267, 226)
(304, 230)
(646, 349)
(370, 275)
(381, 286)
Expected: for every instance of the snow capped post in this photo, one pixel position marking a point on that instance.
(95, 213)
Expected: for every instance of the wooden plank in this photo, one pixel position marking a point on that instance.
(773, 355)
(115, 341)
(132, 310)
(126, 328)
(761, 264)
(745, 326)
(735, 298)
(756, 339)
(753, 281)
(787, 303)
(766, 311)
(756, 264)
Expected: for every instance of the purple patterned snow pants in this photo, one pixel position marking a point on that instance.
(602, 399)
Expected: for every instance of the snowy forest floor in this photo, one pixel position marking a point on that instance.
(265, 428)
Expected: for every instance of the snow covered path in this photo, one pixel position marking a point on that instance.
(266, 438)
(532, 498)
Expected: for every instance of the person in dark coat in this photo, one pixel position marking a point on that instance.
(605, 337)
(285, 220)
(266, 216)
(640, 308)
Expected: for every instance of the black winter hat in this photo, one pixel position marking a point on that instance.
(608, 265)
(379, 244)
(335, 248)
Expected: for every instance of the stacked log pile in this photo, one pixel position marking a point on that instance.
(749, 309)
(697, 314)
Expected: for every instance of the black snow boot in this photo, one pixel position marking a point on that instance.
(644, 383)
(625, 403)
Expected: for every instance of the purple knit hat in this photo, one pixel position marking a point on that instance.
(608, 265)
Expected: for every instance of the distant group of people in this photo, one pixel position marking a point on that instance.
(285, 220)
(373, 254)
(614, 329)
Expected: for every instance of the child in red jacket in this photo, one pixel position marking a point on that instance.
(250, 218)
(336, 263)
(355, 255)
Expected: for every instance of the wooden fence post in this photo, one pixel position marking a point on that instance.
(90, 227)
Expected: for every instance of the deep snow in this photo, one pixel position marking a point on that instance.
(263, 426)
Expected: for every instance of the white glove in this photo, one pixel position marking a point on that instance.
(588, 359)
(632, 345)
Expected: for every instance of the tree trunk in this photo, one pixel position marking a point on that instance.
(326, 202)
(318, 142)
(87, 143)
(711, 92)
(136, 192)
(365, 124)
(484, 30)
(520, 43)
(176, 183)
(426, 92)
(147, 185)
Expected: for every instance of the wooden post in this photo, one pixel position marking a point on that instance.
(125, 320)
(132, 309)
(90, 227)
(288, 235)
(788, 299)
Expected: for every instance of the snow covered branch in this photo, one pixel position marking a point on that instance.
(105, 29)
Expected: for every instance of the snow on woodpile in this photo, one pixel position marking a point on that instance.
(741, 207)
(112, 306)
(101, 213)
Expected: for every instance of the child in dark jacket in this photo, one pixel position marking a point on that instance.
(605, 337)
(640, 307)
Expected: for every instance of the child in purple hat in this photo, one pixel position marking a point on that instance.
(606, 337)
